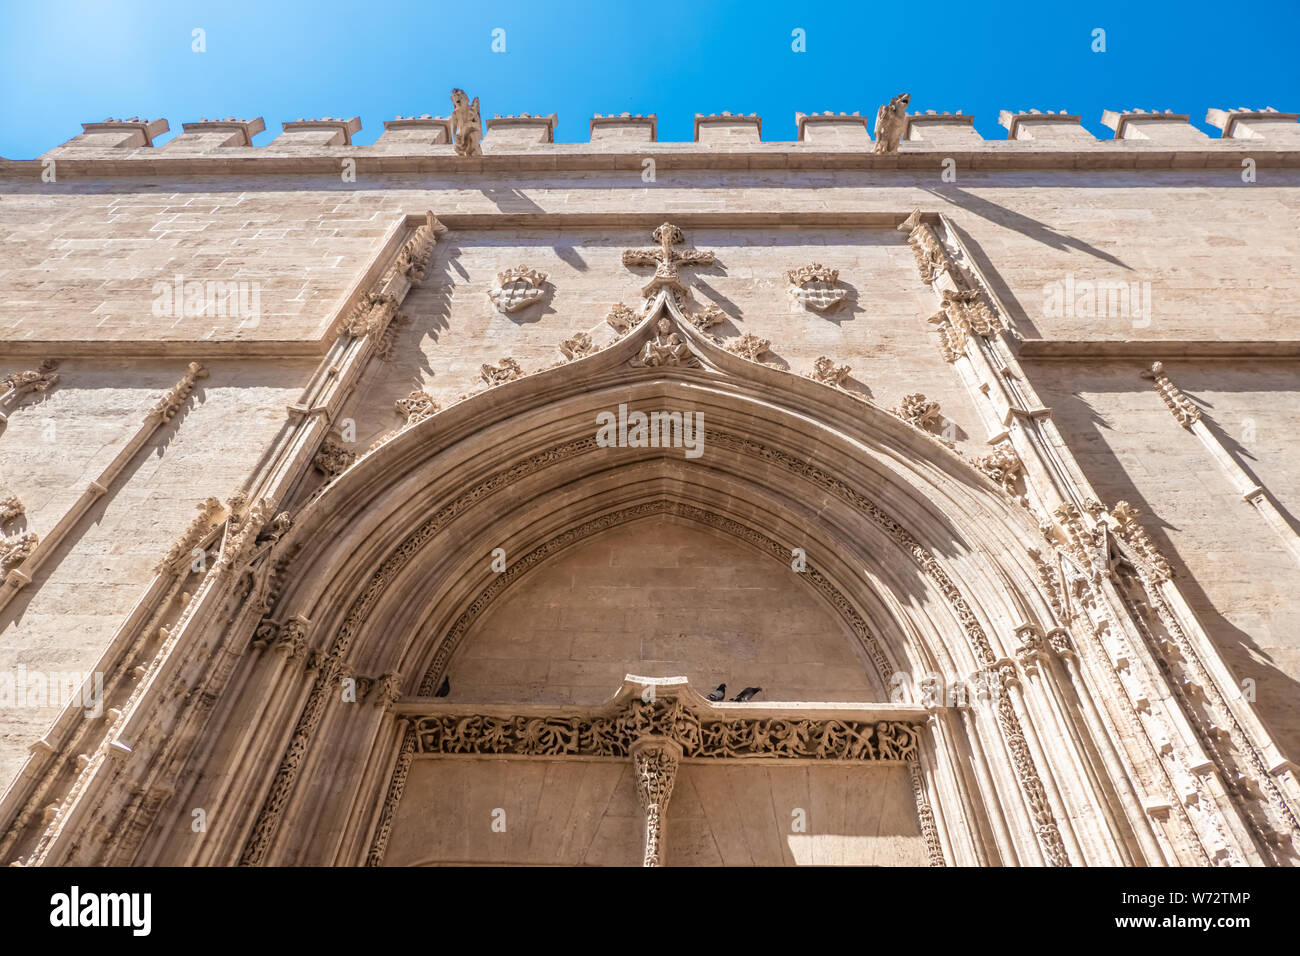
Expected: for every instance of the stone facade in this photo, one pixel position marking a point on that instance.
(992, 433)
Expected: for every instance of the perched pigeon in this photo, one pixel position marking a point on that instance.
(444, 688)
(719, 693)
(747, 694)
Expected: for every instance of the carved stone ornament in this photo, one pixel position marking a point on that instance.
(891, 120)
(371, 315)
(931, 260)
(209, 515)
(578, 346)
(1187, 412)
(665, 349)
(749, 347)
(334, 457)
(167, 406)
(707, 317)
(669, 718)
(466, 124)
(416, 407)
(815, 286)
(623, 319)
(655, 763)
(828, 373)
(15, 550)
(517, 289)
(666, 261)
(10, 508)
(1131, 530)
(917, 410)
(17, 385)
(1003, 465)
(506, 370)
(413, 259)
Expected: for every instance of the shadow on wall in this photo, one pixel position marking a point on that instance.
(1082, 427)
(1032, 228)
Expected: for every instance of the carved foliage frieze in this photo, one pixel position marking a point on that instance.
(698, 736)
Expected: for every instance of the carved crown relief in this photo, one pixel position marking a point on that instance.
(517, 289)
(815, 287)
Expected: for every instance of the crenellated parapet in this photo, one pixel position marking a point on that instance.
(1266, 124)
(1046, 127)
(327, 131)
(624, 128)
(727, 127)
(522, 129)
(423, 130)
(1036, 139)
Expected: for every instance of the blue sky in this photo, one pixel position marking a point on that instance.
(64, 63)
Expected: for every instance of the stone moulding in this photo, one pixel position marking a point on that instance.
(36, 551)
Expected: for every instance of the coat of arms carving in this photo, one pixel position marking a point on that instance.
(816, 286)
(517, 289)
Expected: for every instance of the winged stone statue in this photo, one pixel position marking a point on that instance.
(890, 121)
(466, 123)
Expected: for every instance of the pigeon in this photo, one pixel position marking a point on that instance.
(718, 694)
(444, 688)
(747, 694)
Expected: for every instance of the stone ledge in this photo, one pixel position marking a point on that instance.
(1151, 349)
(912, 155)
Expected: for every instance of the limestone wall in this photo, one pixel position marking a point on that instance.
(82, 256)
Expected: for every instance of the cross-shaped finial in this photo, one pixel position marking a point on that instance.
(665, 259)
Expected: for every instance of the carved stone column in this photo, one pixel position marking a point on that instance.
(656, 760)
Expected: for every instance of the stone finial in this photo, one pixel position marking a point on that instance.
(891, 120)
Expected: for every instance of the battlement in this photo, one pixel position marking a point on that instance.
(1267, 123)
(1143, 138)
